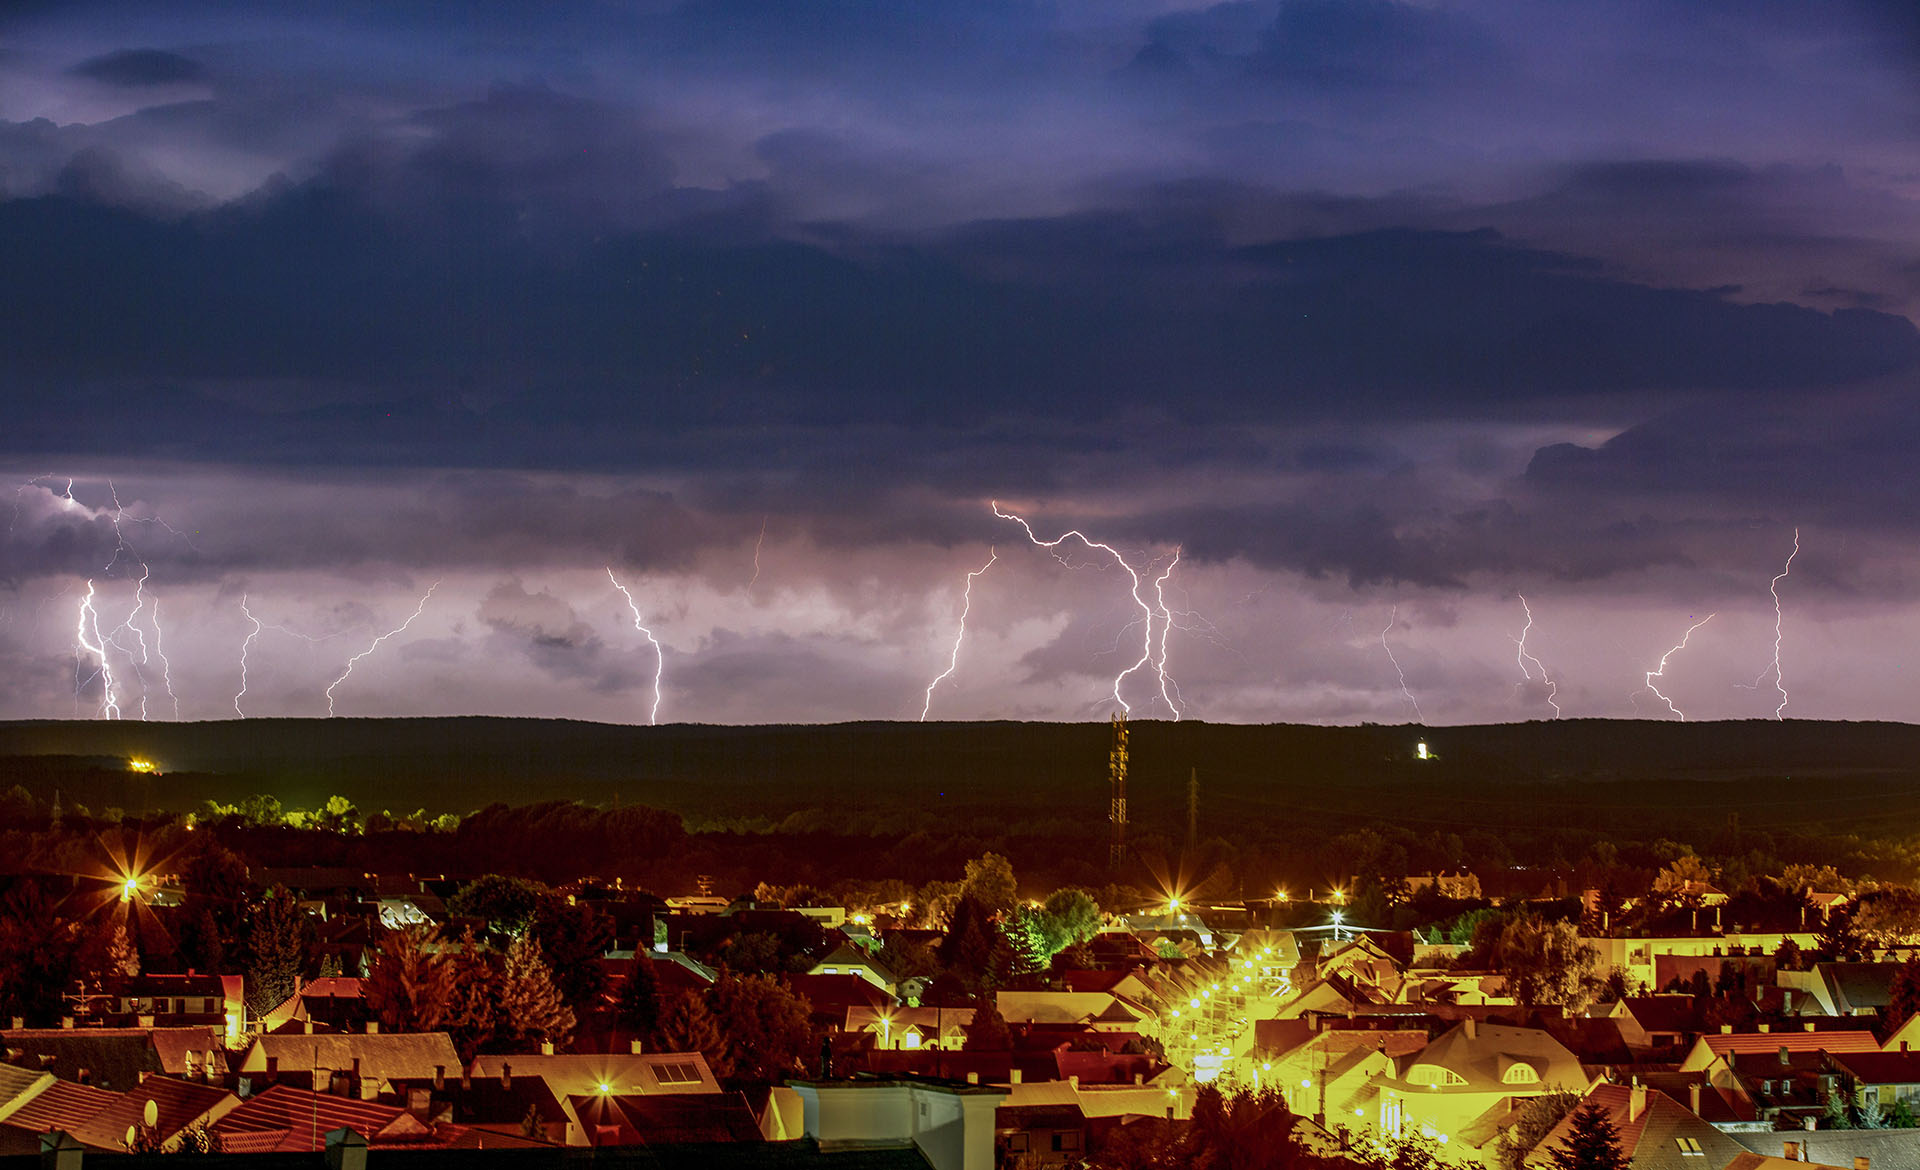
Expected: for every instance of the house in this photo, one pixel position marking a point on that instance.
(1784, 1089)
(850, 959)
(1841, 989)
(364, 1064)
(1102, 1010)
(1879, 1080)
(114, 1059)
(290, 1119)
(620, 1119)
(1715, 1045)
(61, 1105)
(597, 1073)
(1055, 1123)
(1462, 1085)
(1656, 1026)
(1880, 1149)
(950, 1123)
(175, 1105)
(910, 1027)
(1655, 1132)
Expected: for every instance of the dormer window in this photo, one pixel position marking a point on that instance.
(1521, 1074)
(1433, 1074)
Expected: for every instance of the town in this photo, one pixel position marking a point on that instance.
(170, 985)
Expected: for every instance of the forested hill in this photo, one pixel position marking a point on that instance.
(713, 771)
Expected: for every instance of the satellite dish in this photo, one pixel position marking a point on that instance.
(151, 1116)
(131, 1135)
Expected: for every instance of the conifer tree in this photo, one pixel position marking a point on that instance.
(529, 1008)
(1591, 1143)
(688, 1025)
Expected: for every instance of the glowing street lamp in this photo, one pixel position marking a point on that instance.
(129, 886)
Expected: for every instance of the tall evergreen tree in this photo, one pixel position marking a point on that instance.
(1591, 1143)
(1903, 1001)
(529, 1008)
(989, 1031)
(638, 1008)
(410, 986)
(688, 1025)
(278, 940)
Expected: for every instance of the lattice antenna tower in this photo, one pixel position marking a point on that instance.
(1117, 774)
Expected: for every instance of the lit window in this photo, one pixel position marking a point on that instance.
(676, 1073)
(1689, 1147)
(1521, 1074)
(1433, 1074)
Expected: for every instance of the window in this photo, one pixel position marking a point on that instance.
(1066, 1141)
(1433, 1074)
(1016, 1143)
(676, 1073)
(1689, 1147)
(1521, 1074)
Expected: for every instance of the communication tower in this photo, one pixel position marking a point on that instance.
(1117, 773)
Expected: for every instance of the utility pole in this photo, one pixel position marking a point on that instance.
(1117, 775)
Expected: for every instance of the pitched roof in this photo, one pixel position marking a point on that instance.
(582, 1074)
(382, 1056)
(172, 1046)
(1881, 1068)
(62, 1105)
(114, 1058)
(287, 1118)
(622, 1119)
(1482, 1053)
(18, 1085)
(178, 1104)
(1887, 1149)
(1722, 1043)
(1856, 987)
(1653, 1137)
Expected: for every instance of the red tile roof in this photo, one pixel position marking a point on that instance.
(62, 1105)
(285, 1118)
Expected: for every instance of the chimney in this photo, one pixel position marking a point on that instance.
(546, 1048)
(1791, 1151)
(466, 1081)
(373, 1027)
(1636, 1103)
(66, 1022)
(973, 1078)
(356, 1068)
(1074, 1081)
(1807, 1027)
(439, 1078)
(1726, 1029)
(1784, 1058)
(1862, 1162)
(1693, 1097)
(1472, 1027)
(1765, 1028)
(636, 1047)
(273, 1067)
(19, 1022)
(1139, 1078)
(1013, 1077)
(506, 1074)
(306, 1027)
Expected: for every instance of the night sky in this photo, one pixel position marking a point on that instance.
(1373, 311)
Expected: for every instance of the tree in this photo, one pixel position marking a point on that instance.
(988, 1032)
(508, 905)
(1070, 916)
(973, 951)
(1672, 883)
(1545, 963)
(1247, 1131)
(279, 939)
(410, 987)
(1537, 1118)
(529, 1008)
(573, 937)
(990, 882)
(1836, 938)
(638, 1008)
(768, 1028)
(1591, 1143)
(688, 1025)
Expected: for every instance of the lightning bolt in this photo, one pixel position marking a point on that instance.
(1661, 670)
(1146, 611)
(1393, 617)
(1166, 627)
(953, 661)
(90, 617)
(244, 647)
(400, 629)
(1773, 667)
(1773, 587)
(756, 557)
(1522, 657)
(659, 653)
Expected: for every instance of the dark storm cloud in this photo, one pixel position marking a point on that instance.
(140, 67)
